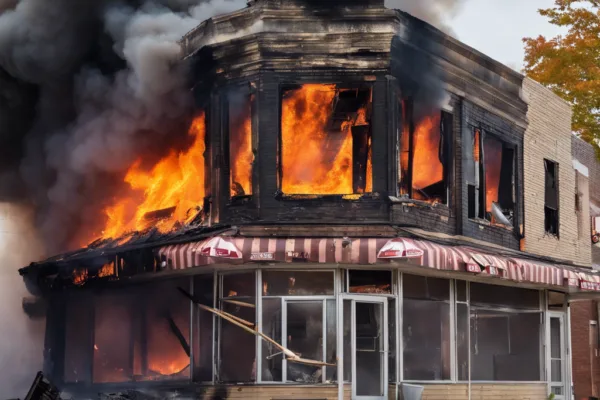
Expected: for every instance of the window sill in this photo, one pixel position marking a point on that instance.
(485, 222)
(328, 197)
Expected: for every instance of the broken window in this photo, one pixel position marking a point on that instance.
(362, 281)
(425, 153)
(237, 348)
(305, 322)
(325, 145)
(551, 197)
(490, 175)
(164, 344)
(426, 328)
(241, 155)
(141, 336)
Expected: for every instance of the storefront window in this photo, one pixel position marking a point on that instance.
(237, 348)
(299, 325)
(426, 328)
(203, 328)
(505, 332)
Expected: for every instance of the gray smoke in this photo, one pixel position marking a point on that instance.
(106, 87)
(436, 12)
(21, 347)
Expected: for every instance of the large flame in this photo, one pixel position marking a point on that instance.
(240, 151)
(314, 160)
(493, 163)
(427, 167)
(176, 181)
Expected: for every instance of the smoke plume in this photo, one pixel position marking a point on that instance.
(85, 90)
(436, 12)
(21, 347)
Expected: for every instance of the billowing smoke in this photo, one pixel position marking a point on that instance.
(436, 12)
(21, 347)
(415, 49)
(85, 90)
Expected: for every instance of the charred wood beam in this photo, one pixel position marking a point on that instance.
(179, 335)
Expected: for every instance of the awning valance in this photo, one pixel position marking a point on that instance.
(234, 250)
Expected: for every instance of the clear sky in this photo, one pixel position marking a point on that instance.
(496, 27)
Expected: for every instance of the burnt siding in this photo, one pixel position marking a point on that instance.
(475, 116)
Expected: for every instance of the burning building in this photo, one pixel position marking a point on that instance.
(347, 219)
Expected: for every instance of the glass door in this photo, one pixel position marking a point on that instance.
(556, 356)
(367, 355)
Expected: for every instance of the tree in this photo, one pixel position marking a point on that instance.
(570, 64)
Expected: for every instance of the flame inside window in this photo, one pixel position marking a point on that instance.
(326, 140)
(240, 146)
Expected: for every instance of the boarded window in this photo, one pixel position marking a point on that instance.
(551, 197)
(425, 153)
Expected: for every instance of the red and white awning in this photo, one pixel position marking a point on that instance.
(225, 250)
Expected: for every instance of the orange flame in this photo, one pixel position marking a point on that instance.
(427, 167)
(314, 160)
(177, 181)
(493, 163)
(240, 142)
(107, 270)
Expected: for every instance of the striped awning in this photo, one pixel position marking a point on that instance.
(235, 250)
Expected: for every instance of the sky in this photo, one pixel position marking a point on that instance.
(496, 27)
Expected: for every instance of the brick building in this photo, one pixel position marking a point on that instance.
(404, 213)
(584, 314)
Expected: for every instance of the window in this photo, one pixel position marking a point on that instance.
(490, 175)
(425, 154)
(241, 155)
(299, 324)
(325, 145)
(237, 348)
(203, 328)
(505, 333)
(426, 328)
(363, 281)
(141, 336)
(551, 198)
(297, 283)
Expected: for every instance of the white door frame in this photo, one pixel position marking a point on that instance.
(384, 373)
(565, 375)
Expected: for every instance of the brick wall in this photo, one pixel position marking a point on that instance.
(548, 136)
(586, 365)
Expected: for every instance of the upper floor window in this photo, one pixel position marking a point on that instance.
(425, 154)
(490, 175)
(241, 156)
(551, 197)
(325, 145)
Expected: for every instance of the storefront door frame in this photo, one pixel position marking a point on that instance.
(354, 299)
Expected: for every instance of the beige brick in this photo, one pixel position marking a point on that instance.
(548, 136)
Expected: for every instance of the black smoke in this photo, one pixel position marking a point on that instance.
(87, 88)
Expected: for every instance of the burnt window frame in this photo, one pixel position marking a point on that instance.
(242, 90)
(479, 193)
(552, 198)
(447, 137)
(134, 301)
(350, 83)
